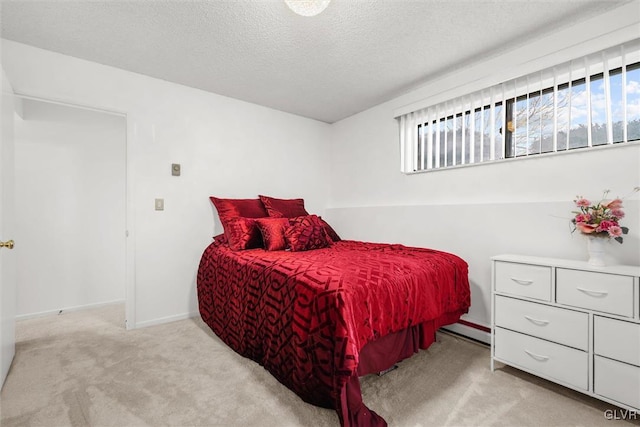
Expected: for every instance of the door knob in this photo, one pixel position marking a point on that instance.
(8, 244)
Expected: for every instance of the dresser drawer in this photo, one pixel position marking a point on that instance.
(617, 339)
(607, 293)
(555, 324)
(541, 357)
(617, 381)
(525, 280)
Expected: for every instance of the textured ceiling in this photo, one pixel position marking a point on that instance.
(354, 55)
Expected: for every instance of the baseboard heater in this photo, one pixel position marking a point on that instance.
(475, 326)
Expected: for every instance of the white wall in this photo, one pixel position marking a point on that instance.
(520, 206)
(226, 147)
(70, 167)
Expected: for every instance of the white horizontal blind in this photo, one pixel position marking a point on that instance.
(586, 102)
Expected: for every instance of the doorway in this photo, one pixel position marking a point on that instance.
(71, 207)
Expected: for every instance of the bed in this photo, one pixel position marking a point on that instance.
(319, 319)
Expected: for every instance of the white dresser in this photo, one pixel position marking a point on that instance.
(569, 323)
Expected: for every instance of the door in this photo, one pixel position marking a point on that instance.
(7, 254)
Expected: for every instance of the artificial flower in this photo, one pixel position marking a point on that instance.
(583, 218)
(618, 213)
(605, 225)
(612, 204)
(586, 228)
(615, 231)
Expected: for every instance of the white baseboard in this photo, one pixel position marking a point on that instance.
(469, 332)
(67, 309)
(167, 319)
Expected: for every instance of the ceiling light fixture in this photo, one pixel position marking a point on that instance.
(307, 7)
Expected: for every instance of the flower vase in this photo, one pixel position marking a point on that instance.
(597, 251)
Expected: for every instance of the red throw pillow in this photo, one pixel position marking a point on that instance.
(284, 208)
(243, 233)
(330, 231)
(272, 230)
(220, 239)
(306, 233)
(233, 208)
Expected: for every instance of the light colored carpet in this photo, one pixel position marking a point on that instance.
(83, 369)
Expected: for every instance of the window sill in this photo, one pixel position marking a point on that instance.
(630, 144)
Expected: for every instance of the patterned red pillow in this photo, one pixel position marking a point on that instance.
(284, 208)
(306, 233)
(330, 231)
(233, 208)
(243, 233)
(220, 239)
(272, 230)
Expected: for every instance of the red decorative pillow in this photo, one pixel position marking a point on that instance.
(330, 231)
(284, 208)
(243, 233)
(272, 230)
(220, 239)
(233, 208)
(306, 233)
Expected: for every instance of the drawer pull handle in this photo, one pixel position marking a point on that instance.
(537, 356)
(593, 293)
(522, 282)
(537, 321)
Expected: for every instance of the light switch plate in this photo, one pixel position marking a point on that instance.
(159, 204)
(175, 169)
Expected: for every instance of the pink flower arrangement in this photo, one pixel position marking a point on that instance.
(600, 219)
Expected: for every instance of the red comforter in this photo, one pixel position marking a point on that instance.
(306, 316)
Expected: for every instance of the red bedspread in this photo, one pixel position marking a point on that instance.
(305, 316)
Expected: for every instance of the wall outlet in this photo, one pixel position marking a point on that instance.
(159, 204)
(175, 169)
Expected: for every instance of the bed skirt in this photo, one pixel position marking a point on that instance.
(379, 355)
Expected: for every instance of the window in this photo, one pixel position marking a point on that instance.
(588, 102)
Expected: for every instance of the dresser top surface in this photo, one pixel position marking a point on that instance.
(627, 270)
